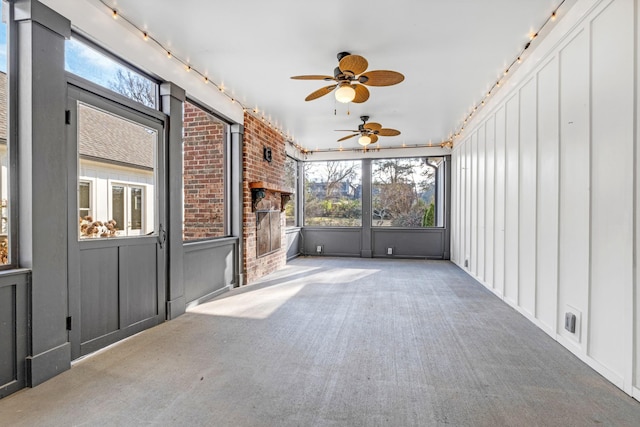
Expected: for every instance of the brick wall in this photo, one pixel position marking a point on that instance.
(258, 135)
(204, 204)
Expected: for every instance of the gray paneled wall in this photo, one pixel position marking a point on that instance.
(209, 268)
(13, 330)
(546, 189)
(294, 241)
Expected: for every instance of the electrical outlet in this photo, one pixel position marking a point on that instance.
(466, 262)
(573, 323)
(570, 322)
(319, 249)
(389, 251)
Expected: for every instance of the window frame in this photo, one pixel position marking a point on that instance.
(438, 192)
(110, 55)
(295, 199)
(8, 7)
(126, 231)
(90, 185)
(361, 198)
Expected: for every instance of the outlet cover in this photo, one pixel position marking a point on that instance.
(319, 249)
(389, 251)
(466, 262)
(574, 323)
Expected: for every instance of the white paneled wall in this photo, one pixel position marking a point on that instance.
(546, 192)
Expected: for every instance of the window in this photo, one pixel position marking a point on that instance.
(128, 209)
(333, 194)
(406, 192)
(116, 175)
(84, 199)
(291, 181)
(204, 174)
(95, 66)
(5, 175)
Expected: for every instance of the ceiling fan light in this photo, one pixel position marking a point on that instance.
(364, 140)
(345, 93)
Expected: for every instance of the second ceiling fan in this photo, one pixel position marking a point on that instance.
(368, 132)
(350, 76)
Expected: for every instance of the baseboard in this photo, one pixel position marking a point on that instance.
(176, 307)
(208, 296)
(48, 364)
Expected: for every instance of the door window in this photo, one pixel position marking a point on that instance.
(117, 175)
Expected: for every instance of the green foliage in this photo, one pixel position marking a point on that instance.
(428, 220)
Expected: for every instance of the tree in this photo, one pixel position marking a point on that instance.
(336, 173)
(134, 86)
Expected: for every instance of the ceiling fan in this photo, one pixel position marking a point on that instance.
(369, 132)
(350, 76)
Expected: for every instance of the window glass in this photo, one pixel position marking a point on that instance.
(84, 199)
(95, 66)
(4, 152)
(333, 194)
(291, 181)
(204, 174)
(405, 192)
(117, 175)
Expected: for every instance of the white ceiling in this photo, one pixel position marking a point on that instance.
(450, 51)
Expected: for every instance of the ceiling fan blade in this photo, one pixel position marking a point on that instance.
(388, 132)
(354, 63)
(362, 94)
(373, 126)
(320, 92)
(345, 130)
(374, 138)
(347, 137)
(382, 78)
(312, 77)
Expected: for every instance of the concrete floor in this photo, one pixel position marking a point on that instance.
(335, 342)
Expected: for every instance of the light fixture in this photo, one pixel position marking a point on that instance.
(364, 140)
(345, 93)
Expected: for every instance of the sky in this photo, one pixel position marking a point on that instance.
(90, 64)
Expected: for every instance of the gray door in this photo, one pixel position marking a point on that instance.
(117, 257)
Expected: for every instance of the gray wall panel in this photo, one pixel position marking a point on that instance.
(421, 243)
(294, 240)
(7, 334)
(208, 267)
(138, 283)
(334, 241)
(99, 292)
(14, 339)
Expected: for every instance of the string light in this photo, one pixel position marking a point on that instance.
(445, 144)
(518, 60)
(188, 68)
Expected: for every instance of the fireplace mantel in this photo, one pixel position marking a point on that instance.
(259, 190)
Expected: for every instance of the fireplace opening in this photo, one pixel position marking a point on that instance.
(269, 237)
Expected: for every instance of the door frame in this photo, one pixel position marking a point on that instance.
(79, 89)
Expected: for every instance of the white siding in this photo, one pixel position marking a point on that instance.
(550, 203)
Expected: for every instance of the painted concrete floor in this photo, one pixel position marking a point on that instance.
(334, 342)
